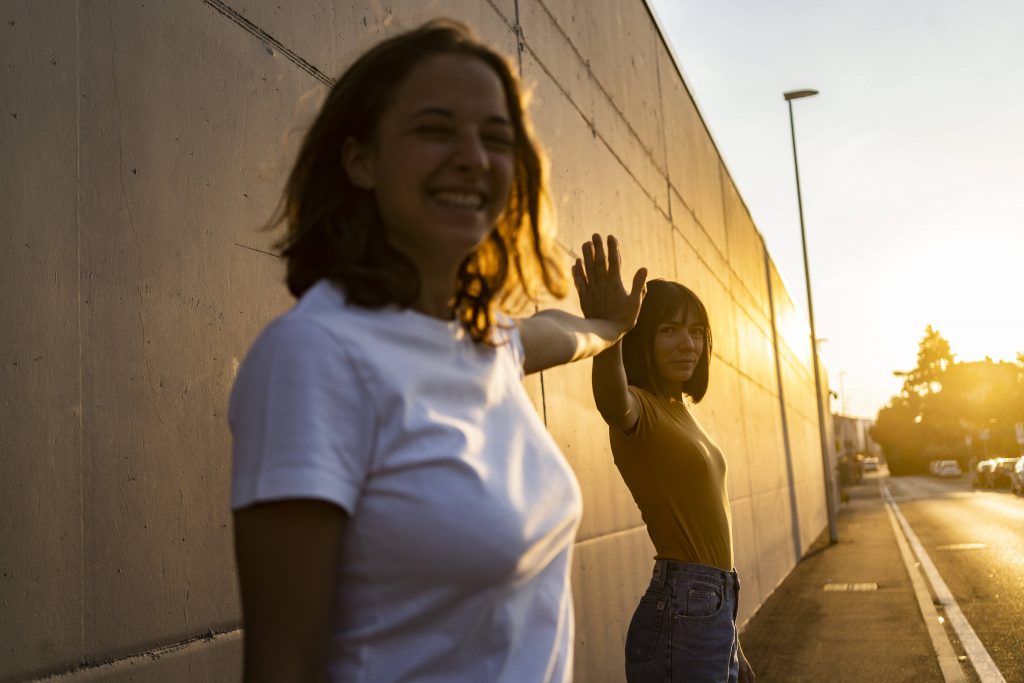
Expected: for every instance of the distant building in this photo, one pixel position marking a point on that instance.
(852, 436)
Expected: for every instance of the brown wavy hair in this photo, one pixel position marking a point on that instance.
(334, 229)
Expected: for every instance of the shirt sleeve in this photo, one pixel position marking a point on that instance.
(506, 331)
(301, 420)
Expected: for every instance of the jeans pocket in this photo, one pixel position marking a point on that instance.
(645, 628)
(703, 600)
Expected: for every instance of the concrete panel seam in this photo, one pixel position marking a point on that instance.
(586, 63)
(517, 29)
(269, 40)
(793, 502)
(689, 91)
(153, 654)
(722, 193)
(693, 215)
(128, 204)
(714, 273)
(664, 137)
(593, 129)
(81, 365)
(724, 258)
(739, 371)
(258, 251)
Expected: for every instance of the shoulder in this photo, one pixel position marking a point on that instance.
(650, 408)
(643, 396)
(322, 321)
(505, 334)
(298, 340)
(310, 345)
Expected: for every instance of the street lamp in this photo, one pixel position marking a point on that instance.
(833, 533)
(842, 393)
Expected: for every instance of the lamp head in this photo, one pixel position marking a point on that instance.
(797, 94)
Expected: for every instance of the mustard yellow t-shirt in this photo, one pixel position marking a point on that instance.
(676, 474)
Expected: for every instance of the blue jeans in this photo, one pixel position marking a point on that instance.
(684, 629)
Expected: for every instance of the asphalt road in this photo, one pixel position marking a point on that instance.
(976, 541)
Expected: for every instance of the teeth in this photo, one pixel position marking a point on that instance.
(461, 200)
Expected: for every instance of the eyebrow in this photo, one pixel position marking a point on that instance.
(441, 111)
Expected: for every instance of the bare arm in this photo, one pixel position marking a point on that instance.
(287, 555)
(553, 337)
(591, 274)
(617, 406)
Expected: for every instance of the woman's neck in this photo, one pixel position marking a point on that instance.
(437, 290)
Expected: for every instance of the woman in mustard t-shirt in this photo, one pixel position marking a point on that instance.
(684, 628)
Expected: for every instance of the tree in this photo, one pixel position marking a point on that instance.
(942, 401)
(898, 431)
(933, 359)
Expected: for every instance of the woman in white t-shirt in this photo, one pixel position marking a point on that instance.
(401, 513)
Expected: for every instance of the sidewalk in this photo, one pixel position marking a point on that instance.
(805, 633)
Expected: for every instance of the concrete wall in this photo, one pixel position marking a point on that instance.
(144, 144)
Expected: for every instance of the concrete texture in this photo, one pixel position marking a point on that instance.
(150, 142)
(41, 572)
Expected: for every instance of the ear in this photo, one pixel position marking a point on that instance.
(358, 163)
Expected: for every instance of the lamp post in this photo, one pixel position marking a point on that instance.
(842, 393)
(833, 533)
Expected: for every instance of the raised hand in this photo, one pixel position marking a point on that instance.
(599, 284)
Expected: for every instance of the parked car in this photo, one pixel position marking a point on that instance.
(948, 468)
(995, 472)
(1017, 477)
(850, 471)
(869, 464)
(983, 473)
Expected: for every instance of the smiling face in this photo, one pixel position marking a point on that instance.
(442, 160)
(677, 346)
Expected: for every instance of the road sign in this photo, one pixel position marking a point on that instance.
(1020, 432)
(983, 435)
(967, 440)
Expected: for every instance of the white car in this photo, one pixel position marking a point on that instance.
(1017, 477)
(948, 468)
(869, 464)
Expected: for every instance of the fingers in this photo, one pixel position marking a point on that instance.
(639, 285)
(588, 260)
(599, 258)
(614, 259)
(579, 277)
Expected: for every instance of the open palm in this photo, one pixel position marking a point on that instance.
(599, 284)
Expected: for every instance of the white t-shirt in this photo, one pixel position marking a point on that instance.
(462, 510)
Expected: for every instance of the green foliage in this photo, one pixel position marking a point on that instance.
(943, 401)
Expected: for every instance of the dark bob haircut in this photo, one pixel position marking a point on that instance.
(334, 229)
(664, 299)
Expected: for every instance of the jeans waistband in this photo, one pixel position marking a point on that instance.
(666, 569)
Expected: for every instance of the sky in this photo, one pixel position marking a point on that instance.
(911, 166)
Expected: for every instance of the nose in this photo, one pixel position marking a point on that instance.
(471, 153)
(686, 342)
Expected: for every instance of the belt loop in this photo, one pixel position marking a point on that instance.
(660, 570)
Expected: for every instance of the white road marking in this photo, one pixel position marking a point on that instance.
(962, 546)
(986, 669)
(949, 663)
(849, 587)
